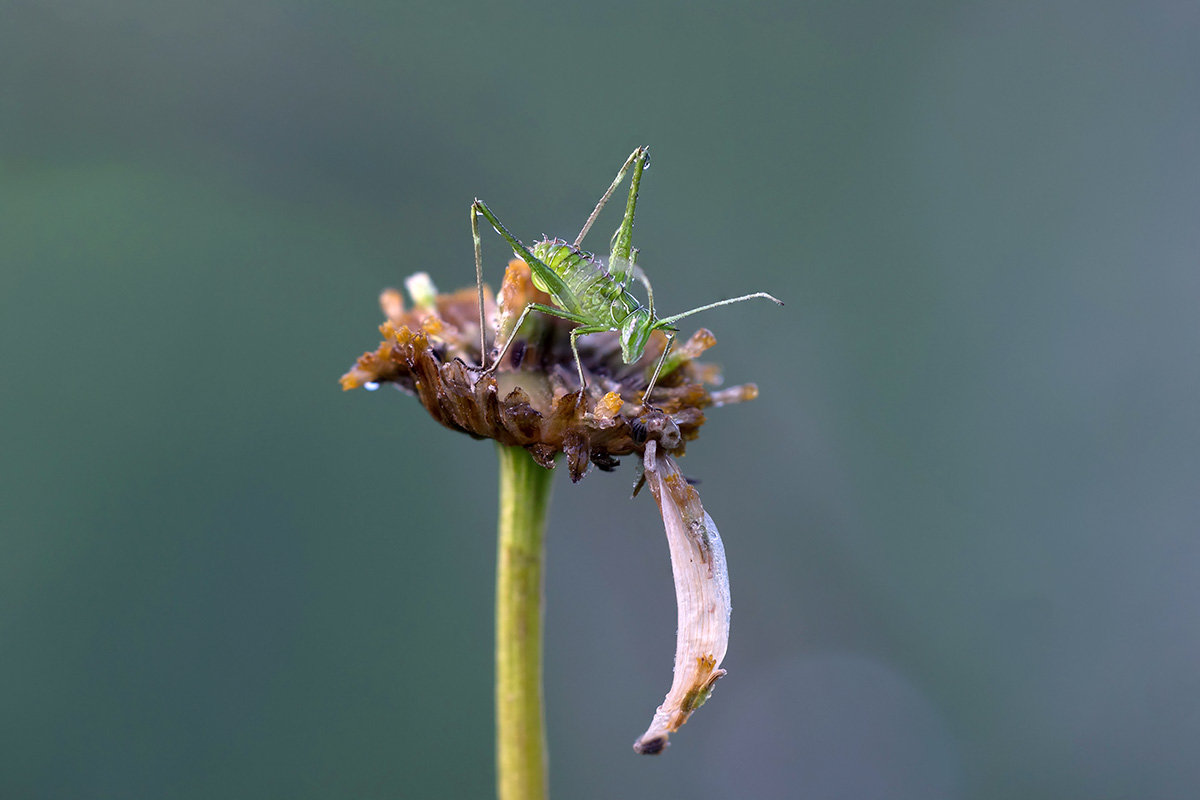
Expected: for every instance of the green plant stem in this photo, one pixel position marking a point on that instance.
(520, 722)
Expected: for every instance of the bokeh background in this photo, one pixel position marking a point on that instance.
(962, 519)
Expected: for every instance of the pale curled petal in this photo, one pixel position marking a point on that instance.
(701, 592)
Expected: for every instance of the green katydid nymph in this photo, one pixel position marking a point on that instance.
(587, 291)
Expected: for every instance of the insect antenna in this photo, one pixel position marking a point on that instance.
(668, 320)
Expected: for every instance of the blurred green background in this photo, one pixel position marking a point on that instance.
(961, 520)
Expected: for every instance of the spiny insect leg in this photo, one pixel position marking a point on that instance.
(658, 367)
(622, 241)
(545, 309)
(479, 284)
(549, 278)
(575, 334)
(587, 226)
(669, 320)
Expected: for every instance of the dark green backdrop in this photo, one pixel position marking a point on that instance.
(961, 520)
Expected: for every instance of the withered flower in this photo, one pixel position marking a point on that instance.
(532, 400)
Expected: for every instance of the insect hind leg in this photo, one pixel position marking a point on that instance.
(551, 281)
(479, 283)
(587, 226)
(620, 261)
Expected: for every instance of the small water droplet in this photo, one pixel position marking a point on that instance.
(370, 386)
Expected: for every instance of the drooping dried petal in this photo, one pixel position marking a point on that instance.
(701, 593)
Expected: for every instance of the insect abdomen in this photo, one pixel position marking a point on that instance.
(591, 284)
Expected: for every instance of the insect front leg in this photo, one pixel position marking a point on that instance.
(575, 334)
(658, 368)
(545, 309)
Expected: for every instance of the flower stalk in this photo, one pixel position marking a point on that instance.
(520, 720)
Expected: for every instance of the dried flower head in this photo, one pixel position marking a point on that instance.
(533, 399)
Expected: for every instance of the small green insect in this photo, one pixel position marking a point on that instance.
(587, 291)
